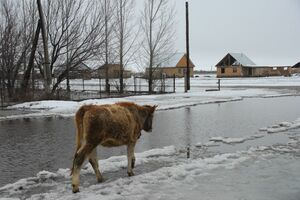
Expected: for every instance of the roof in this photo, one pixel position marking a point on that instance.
(238, 59)
(265, 66)
(109, 65)
(80, 67)
(173, 60)
(242, 59)
(297, 65)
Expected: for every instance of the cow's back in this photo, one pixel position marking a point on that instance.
(109, 125)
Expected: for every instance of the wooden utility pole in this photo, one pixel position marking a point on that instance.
(121, 48)
(47, 71)
(68, 65)
(187, 47)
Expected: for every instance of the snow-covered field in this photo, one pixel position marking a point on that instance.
(202, 81)
(258, 172)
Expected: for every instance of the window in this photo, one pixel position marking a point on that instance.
(222, 70)
(234, 69)
(179, 71)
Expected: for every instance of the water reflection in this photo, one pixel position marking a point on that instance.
(188, 127)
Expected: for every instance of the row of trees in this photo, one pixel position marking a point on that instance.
(90, 31)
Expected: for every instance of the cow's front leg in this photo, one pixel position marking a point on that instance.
(130, 158)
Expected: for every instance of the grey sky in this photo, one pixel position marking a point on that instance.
(267, 31)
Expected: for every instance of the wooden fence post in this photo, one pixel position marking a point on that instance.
(174, 85)
(134, 83)
(100, 86)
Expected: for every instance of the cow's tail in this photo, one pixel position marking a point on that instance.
(79, 129)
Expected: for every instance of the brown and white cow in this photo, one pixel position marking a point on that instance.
(108, 125)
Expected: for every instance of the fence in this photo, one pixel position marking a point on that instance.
(82, 89)
(95, 88)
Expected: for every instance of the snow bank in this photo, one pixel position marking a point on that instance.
(142, 186)
(282, 126)
(228, 140)
(180, 172)
(183, 170)
(108, 165)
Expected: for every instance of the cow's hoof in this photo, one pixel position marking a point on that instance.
(130, 173)
(75, 189)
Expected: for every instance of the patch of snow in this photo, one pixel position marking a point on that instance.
(283, 126)
(108, 165)
(182, 172)
(43, 175)
(228, 140)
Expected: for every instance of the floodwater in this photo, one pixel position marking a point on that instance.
(28, 146)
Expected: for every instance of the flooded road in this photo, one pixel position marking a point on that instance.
(28, 146)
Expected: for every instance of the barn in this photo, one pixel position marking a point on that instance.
(239, 65)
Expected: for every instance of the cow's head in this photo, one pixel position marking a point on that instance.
(149, 117)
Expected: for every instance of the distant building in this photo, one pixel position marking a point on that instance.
(175, 65)
(239, 65)
(296, 68)
(113, 71)
(81, 71)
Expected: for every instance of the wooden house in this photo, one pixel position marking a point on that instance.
(175, 65)
(239, 65)
(81, 71)
(113, 71)
(296, 68)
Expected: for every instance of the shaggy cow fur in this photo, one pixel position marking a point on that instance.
(108, 125)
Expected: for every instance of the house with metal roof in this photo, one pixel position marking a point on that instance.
(239, 65)
(296, 68)
(175, 65)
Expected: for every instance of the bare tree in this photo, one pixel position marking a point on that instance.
(14, 42)
(126, 35)
(108, 8)
(76, 34)
(157, 27)
(46, 63)
(31, 33)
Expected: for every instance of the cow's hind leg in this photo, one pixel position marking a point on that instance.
(130, 158)
(79, 158)
(93, 161)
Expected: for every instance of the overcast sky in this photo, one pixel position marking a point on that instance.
(267, 31)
